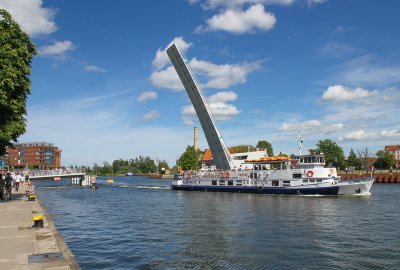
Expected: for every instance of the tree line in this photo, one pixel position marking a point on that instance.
(139, 165)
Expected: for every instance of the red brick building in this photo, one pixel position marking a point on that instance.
(395, 151)
(40, 155)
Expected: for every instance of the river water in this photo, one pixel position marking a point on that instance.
(139, 223)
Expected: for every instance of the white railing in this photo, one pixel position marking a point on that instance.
(60, 172)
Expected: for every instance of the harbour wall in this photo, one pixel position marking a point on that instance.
(378, 178)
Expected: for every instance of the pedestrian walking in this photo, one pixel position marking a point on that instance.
(9, 182)
(18, 179)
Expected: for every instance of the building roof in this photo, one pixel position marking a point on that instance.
(392, 147)
(207, 155)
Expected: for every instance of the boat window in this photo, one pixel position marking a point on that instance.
(314, 160)
(301, 160)
(297, 175)
(311, 181)
(305, 181)
(319, 181)
(275, 183)
(222, 183)
(238, 182)
(286, 183)
(230, 183)
(214, 182)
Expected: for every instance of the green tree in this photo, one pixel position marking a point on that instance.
(385, 160)
(120, 166)
(364, 156)
(107, 169)
(353, 161)
(16, 53)
(334, 155)
(162, 165)
(190, 159)
(268, 146)
(240, 148)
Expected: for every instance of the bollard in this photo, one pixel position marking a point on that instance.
(38, 221)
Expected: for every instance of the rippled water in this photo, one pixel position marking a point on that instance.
(139, 223)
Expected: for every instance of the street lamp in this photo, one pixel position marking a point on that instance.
(345, 164)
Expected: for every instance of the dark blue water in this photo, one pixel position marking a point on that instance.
(139, 223)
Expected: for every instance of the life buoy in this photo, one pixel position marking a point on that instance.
(310, 173)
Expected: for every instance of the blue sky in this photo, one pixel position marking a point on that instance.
(103, 88)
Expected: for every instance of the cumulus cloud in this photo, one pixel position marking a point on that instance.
(242, 21)
(222, 97)
(216, 76)
(58, 49)
(31, 16)
(94, 68)
(223, 76)
(151, 115)
(372, 135)
(162, 59)
(218, 105)
(343, 93)
(167, 78)
(146, 96)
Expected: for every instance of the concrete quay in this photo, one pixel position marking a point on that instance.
(24, 247)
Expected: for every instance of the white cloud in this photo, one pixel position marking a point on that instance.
(153, 114)
(162, 59)
(167, 78)
(58, 49)
(300, 126)
(239, 21)
(94, 68)
(223, 76)
(146, 96)
(102, 130)
(315, 2)
(372, 135)
(222, 97)
(312, 127)
(367, 70)
(335, 49)
(31, 16)
(343, 93)
(216, 76)
(219, 108)
(211, 4)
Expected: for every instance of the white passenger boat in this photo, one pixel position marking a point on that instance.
(301, 175)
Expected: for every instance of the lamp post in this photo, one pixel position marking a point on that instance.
(345, 164)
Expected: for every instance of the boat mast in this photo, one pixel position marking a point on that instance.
(221, 156)
(300, 140)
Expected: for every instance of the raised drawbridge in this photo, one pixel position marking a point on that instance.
(220, 153)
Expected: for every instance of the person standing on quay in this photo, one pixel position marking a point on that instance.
(2, 185)
(9, 181)
(18, 179)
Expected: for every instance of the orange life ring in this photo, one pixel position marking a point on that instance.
(310, 173)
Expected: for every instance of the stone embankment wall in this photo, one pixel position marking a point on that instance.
(379, 178)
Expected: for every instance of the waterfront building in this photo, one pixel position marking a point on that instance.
(237, 158)
(395, 151)
(39, 155)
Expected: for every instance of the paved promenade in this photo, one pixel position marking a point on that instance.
(24, 247)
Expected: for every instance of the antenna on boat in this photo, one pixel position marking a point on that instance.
(300, 140)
